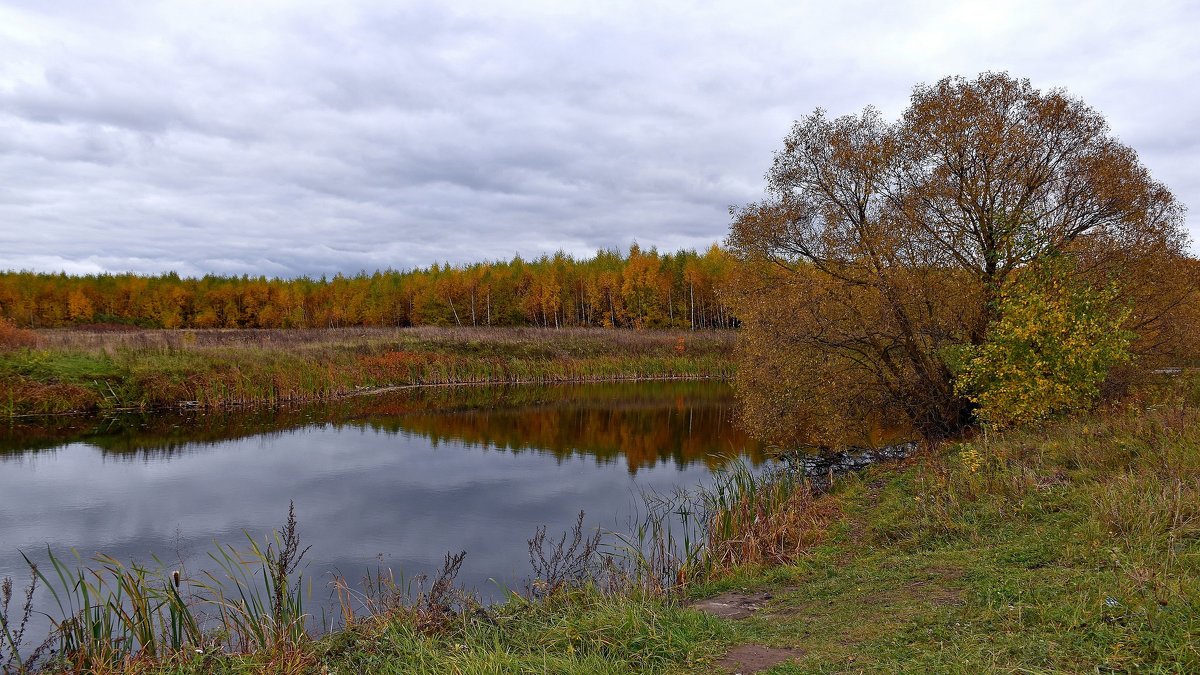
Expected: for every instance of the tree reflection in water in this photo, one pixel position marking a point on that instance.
(640, 424)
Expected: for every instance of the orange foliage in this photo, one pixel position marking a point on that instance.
(12, 337)
(641, 289)
(635, 433)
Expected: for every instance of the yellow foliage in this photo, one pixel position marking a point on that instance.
(1050, 350)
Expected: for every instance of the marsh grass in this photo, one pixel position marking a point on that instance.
(79, 371)
(747, 516)
(662, 547)
(114, 617)
(111, 614)
(762, 518)
(258, 594)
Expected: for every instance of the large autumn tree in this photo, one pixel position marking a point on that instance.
(883, 246)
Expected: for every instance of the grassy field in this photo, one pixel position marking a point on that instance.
(1070, 548)
(51, 372)
(1076, 549)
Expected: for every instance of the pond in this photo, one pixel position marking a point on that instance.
(386, 481)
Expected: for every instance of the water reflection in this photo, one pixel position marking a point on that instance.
(400, 479)
(639, 424)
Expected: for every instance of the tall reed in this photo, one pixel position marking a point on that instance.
(258, 592)
(111, 615)
(745, 517)
(663, 547)
(757, 517)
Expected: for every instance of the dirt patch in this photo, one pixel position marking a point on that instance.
(936, 585)
(938, 596)
(733, 604)
(745, 659)
(939, 588)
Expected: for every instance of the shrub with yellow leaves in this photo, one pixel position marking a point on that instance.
(1051, 348)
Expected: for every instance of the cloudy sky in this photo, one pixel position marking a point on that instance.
(287, 138)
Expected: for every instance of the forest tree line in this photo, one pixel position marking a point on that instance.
(637, 289)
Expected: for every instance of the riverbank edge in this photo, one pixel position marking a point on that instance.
(365, 391)
(116, 377)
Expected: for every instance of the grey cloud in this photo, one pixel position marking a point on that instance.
(314, 138)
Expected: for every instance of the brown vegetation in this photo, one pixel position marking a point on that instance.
(12, 337)
(766, 522)
(80, 371)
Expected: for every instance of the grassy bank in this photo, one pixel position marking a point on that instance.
(1073, 549)
(72, 371)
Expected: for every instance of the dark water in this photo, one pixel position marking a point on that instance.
(393, 481)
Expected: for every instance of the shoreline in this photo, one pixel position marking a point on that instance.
(192, 405)
(160, 370)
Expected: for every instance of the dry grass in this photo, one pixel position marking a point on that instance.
(12, 337)
(764, 520)
(745, 518)
(224, 368)
(625, 341)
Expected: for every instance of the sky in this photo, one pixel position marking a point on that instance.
(291, 138)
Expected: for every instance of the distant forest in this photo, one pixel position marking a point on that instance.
(638, 289)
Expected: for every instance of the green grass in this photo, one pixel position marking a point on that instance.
(1073, 549)
(583, 632)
